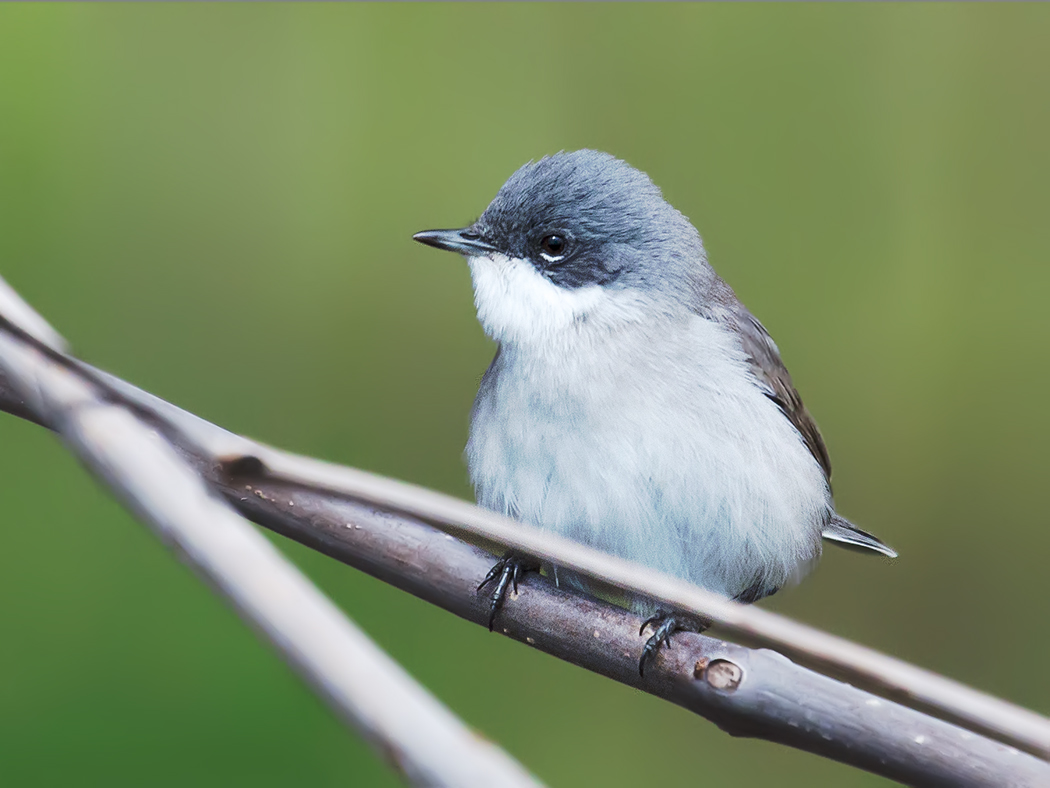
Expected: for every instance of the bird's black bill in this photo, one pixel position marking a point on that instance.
(462, 241)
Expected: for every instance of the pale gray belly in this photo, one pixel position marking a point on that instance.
(674, 488)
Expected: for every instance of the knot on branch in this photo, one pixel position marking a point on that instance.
(720, 674)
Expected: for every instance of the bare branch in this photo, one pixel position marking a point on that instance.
(26, 319)
(863, 667)
(772, 698)
(403, 722)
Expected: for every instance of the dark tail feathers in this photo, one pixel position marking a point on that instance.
(845, 533)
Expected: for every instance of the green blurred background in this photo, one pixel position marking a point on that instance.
(216, 203)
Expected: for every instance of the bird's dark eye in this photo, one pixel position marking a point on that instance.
(554, 247)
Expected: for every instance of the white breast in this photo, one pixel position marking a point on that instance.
(640, 434)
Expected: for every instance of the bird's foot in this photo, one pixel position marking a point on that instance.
(508, 570)
(664, 626)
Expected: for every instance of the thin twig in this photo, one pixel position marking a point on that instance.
(421, 738)
(26, 319)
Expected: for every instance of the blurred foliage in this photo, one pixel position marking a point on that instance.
(216, 203)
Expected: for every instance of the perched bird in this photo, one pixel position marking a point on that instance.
(634, 403)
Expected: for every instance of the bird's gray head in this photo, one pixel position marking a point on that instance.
(573, 238)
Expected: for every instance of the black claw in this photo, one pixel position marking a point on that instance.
(648, 621)
(500, 593)
(662, 635)
(509, 570)
(493, 572)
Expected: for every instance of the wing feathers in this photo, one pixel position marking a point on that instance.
(769, 370)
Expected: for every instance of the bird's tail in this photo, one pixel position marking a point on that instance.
(843, 532)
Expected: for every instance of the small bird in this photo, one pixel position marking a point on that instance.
(634, 404)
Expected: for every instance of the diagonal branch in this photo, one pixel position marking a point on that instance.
(880, 673)
(419, 736)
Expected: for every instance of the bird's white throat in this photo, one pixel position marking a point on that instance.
(516, 304)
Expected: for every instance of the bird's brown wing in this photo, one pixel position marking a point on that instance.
(769, 370)
(772, 375)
